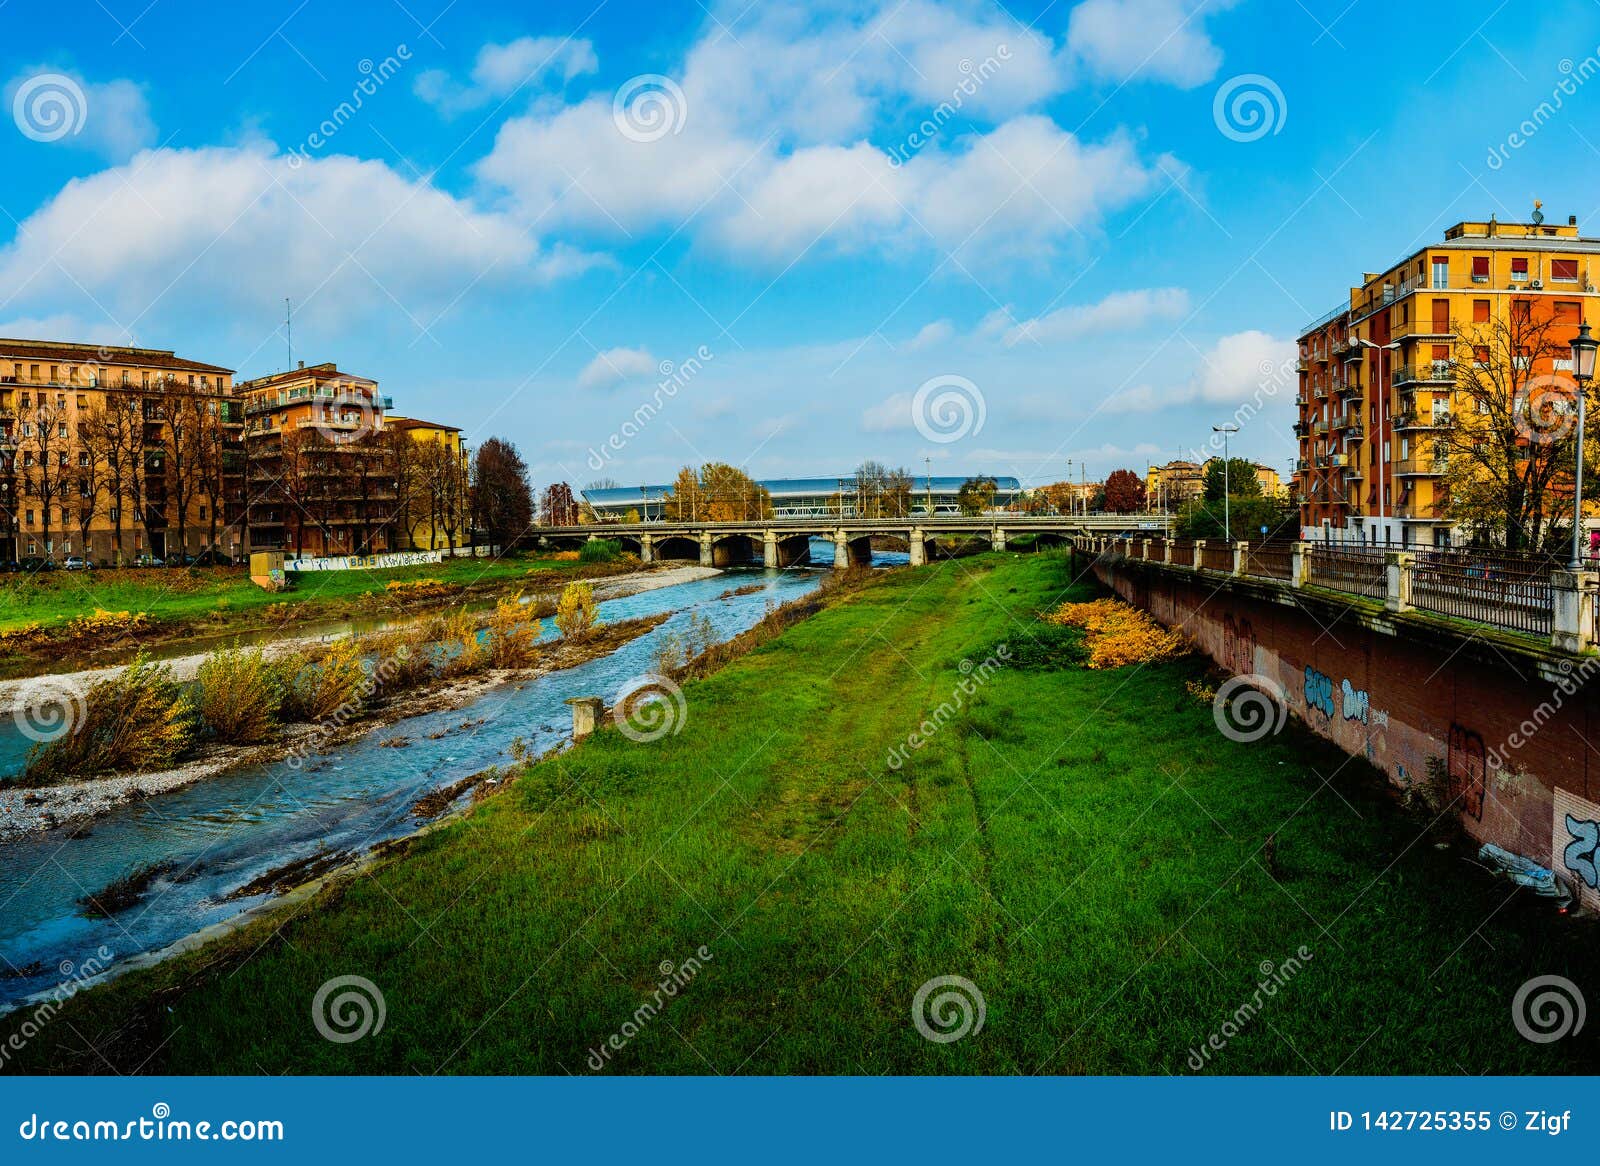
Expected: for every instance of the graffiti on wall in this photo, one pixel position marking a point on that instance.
(1319, 691)
(1238, 646)
(1466, 770)
(1353, 701)
(1575, 846)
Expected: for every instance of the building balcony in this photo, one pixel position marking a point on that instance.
(1319, 426)
(1422, 466)
(1302, 428)
(1343, 421)
(1438, 419)
(1429, 372)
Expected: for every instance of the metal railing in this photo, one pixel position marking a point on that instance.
(1217, 556)
(1500, 589)
(1358, 572)
(1495, 587)
(1269, 560)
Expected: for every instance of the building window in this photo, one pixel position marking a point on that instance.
(1564, 269)
(1519, 268)
(1480, 311)
(1480, 269)
(1567, 312)
(1480, 355)
(1441, 272)
(1441, 315)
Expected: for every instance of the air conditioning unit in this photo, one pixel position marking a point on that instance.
(1536, 285)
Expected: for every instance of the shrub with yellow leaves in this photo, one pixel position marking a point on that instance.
(1117, 634)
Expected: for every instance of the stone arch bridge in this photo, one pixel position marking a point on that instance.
(783, 542)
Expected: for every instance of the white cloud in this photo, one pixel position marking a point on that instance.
(617, 366)
(1118, 311)
(1147, 40)
(501, 70)
(231, 231)
(112, 118)
(1236, 367)
(931, 336)
(888, 415)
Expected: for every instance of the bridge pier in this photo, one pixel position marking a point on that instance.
(919, 552)
(998, 539)
(769, 549)
(705, 549)
(647, 548)
(841, 551)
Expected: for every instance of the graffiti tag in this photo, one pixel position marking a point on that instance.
(1319, 691)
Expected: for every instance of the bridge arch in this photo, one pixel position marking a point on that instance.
(678, 547)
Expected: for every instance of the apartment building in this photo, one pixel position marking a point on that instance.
(1381, 375)
(1168, 487)
(113, 452)
(321, 465)
(431, 476)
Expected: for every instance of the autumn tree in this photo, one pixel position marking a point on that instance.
(557, 506)
(976, 495)
(1124, 491)
(718, 492)
(502, 500)
(93, 470)
(1505, 452)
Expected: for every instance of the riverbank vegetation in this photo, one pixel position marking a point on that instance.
(142, 720)
(1082, 845)
(66, 620)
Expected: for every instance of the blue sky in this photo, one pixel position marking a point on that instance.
(1093, 253)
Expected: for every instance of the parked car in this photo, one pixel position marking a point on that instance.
(148, 561)
(10, 567)
(74, 563)
(214, 559)
(34, 564)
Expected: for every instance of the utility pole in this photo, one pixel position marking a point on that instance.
(928, 482)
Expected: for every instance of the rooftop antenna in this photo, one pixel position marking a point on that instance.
(288, 329)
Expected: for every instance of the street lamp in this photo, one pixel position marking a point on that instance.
(927, 481)
(1382, 460)
(1227, 518)
(1583, 350)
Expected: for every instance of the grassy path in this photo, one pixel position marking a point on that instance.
(1084, 847)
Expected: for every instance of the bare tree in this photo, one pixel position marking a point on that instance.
(92, 472)
(45, 443)
(120, 439)
(1507, 448)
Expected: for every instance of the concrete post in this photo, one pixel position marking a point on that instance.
(1397, 580)
(585, 715)
(705, 549)
(998, 539)
(1166, 551)
(1572, 627)
(1144, 548)
(919, 551)
(769, 549)
(1241, 556)
(1299, 563)
(1199, 553)
(841, 551)
(647, 548)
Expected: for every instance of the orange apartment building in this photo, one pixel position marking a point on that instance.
(321, 474)
(1379, 374)
(102, 446)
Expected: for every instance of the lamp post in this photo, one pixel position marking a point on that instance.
(1583, 351)
(1227, 518)
(1381, 461)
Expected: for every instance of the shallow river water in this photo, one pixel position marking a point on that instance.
(222, 832)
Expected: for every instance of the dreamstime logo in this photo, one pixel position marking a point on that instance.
(373, 77)
(49, 708)
(973, 677)
(947, 1008)
(49, 107)
(1545, 408)
(1573, 76)
(674, 979)
(74, 977)
(347, 1008)
(376, 677)
(1274, 977)
(674, 377)
(973, 78)
(650, 707)
(649, 107)
(1249, 107)
(948, 408)
(1248, 708)
(1547, 1008)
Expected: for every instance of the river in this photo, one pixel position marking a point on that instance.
(221, 833)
